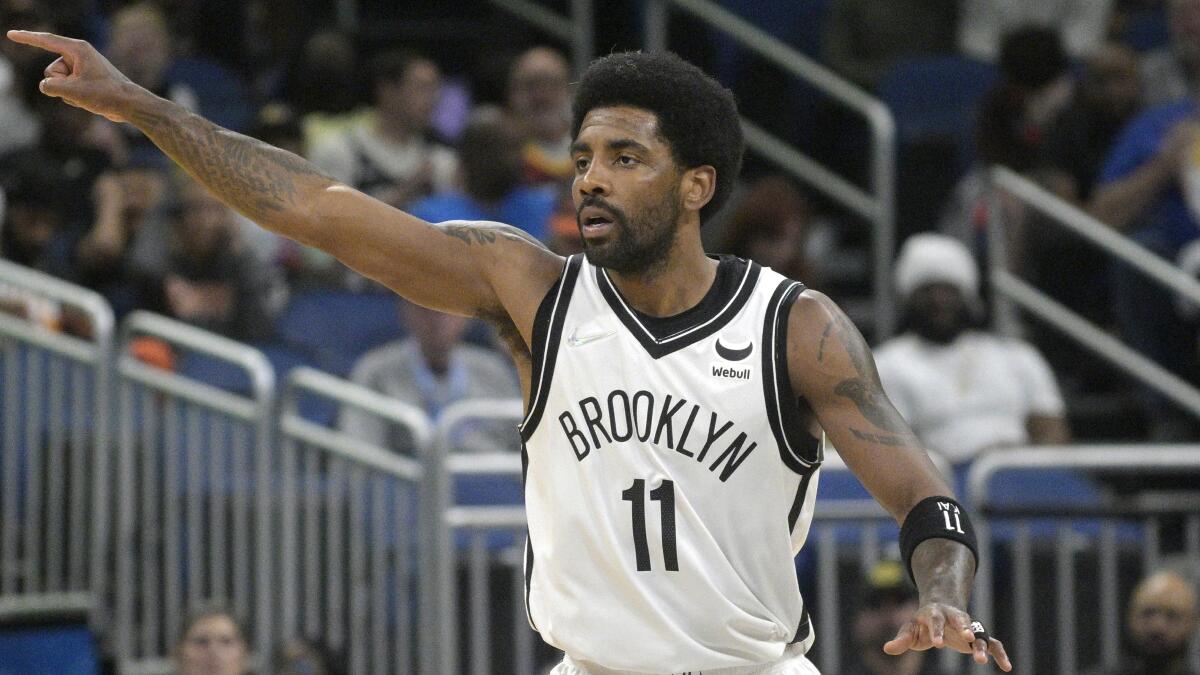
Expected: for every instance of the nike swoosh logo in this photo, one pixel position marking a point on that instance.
(576, 340)
(733, 354)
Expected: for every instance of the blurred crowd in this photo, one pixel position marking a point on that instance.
(1094, 99)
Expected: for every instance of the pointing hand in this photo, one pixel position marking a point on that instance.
(80, 75)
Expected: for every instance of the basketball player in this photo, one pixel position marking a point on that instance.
(676, 402)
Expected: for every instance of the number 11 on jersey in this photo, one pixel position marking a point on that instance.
(665, 495)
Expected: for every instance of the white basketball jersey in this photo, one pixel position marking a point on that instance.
(669, 481)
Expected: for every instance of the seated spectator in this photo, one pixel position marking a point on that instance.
(390, 153)
(1106, 98)
(211, 280)
(1169, 72)
(1034, 87)
(1160, 624)
(33, 216)
(124, 251)
(539, 101)
(863, 38)
(771, 226)
(212, 643)
(1140, 191)
(1055, 259)
(1081, 24)
(888, 602)
(432, 369)
(323, 85)
(140, 45)
(490, 181)
(962, 389)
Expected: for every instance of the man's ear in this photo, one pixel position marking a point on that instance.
(697, 186)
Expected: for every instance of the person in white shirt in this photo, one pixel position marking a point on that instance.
(962, 390)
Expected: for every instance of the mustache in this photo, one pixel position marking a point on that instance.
(593, 200)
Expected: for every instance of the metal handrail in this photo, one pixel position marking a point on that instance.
(438, 590)
(1131, 459)
(102, 335)
(1012, 290)
(260, 410)
(877, 205)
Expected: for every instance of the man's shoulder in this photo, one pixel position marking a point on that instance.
(383, 361)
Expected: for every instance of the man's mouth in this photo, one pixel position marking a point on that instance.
(595, 222)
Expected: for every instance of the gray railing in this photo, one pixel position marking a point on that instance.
(55, 434)
(194, 506)
(1104, 527)
(348, 527)
(878, 204)
(1012, 290)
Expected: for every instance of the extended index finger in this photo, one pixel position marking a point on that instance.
(48, 41)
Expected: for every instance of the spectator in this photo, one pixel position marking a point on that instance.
(962, 389)
(390, 153)
(1161, 622)
(212, 643)
(887, 603)
(1140, 192)
(33, 215)
(490, 178)
(539, 100)
(1169, 72)
(1082, 24)
(1077, 144)
(323, 85)
(863, 38)
(211, 280)
(1105, 99)
(771, 226)
(431, 369)
(125, 249)
(1014, 117)
(140, 45)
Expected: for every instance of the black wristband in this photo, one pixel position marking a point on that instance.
(935, 518)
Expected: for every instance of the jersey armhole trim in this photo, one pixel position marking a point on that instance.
(547, 333)
(799, 451)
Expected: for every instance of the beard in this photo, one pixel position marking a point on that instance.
(1159, 655)
(639, 243)
(939, 330)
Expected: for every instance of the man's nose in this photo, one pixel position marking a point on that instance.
(594, 181)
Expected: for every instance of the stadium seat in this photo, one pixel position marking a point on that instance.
(1146, 30)
(935, 97)
(221, 95)
(49, 650)
(336, 327)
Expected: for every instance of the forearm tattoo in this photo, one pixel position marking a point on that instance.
(255, 178)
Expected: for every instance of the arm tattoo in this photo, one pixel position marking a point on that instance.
(864, 390)
(821, 348)
(881, 439)
(255, 178)
(486, 233)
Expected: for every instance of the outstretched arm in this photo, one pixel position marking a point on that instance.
(832, 369)
(476, 269)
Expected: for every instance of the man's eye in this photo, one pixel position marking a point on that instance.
(626, 160)
(581, 164)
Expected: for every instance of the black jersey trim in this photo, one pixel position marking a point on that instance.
(528, 542)
(547, 333)
(801, 496)
(798, 449)
(804, 628)
(660, 336)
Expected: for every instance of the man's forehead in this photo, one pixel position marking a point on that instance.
(636, 123)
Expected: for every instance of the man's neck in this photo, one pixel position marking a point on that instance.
(673, 287)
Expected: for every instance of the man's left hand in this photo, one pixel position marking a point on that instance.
(939, 626)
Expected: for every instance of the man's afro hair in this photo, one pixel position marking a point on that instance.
(697, 117)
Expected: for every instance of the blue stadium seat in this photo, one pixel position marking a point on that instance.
(336, 327)
(221, 94)
(53, 650)
(936, 96)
